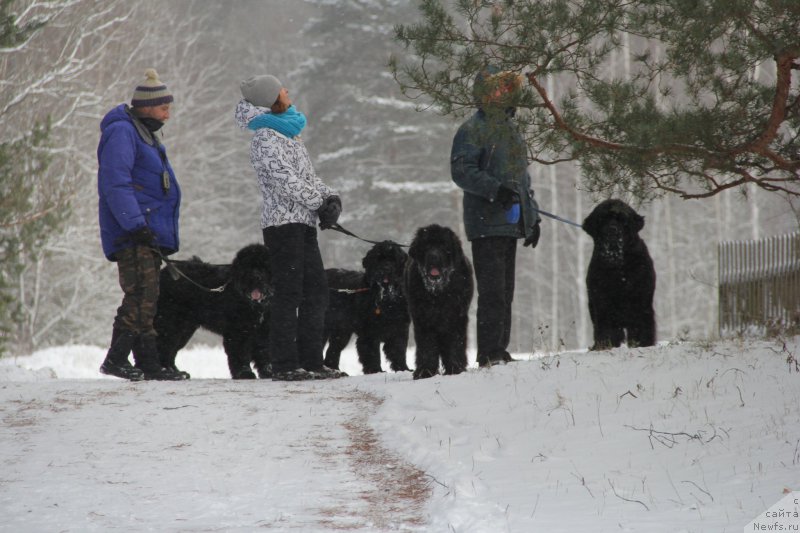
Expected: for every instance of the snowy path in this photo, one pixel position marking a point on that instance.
(678, 438)
(238, 455)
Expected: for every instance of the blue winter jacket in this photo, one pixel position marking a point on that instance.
(131, 185)
(488, 151)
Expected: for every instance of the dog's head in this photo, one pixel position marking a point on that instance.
(384, 265)
(250, 274)
(614, 226)
(435, 250)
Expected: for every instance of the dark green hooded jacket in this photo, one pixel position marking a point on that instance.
(489, 151)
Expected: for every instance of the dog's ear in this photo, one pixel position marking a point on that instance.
(637, 222)
(454, 244)
(414, 250)
(261, 255)
(590, 224)
(400, 256)
(395, 254)
(633, 220)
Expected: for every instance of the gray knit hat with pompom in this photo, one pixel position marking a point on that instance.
(152, 92)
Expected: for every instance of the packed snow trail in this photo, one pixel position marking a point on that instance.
(182, 456)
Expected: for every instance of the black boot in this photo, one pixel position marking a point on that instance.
(139, 355)
(298, 374)
(264, 370)
(116, 362)
(494, 359)
(507, 357)
(147, 360)
(324, 372)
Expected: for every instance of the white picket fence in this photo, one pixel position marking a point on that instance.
(759, 284)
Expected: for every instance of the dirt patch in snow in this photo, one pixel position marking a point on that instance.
(400, 491)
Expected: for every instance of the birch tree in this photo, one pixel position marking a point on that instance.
(87, 59)
(28, 210)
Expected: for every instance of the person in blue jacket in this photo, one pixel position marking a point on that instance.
(139, 204)
(489, 162)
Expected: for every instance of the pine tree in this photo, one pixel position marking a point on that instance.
(708, 102)
(11, 33)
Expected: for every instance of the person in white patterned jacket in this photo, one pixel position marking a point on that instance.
(294, 200)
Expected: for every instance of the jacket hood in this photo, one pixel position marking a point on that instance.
(115, 115)
(245, 112)
(479, 86)
(122, 113)
(490, 78)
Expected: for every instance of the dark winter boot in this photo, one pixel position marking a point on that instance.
(507, 357)
(147, 360)
(324, 372)
(139, 355)
(264, 371)
(116, 362)
(243, 373)
(487, 361)
(297, 374)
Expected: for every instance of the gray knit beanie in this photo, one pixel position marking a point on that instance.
(152, 92)
(261, 90)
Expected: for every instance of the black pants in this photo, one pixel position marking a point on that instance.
(297, 310)
(494, 260)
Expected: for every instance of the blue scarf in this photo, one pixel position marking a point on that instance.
(289, 123)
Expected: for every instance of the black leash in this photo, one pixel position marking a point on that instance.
(176, 272)
(340, 229)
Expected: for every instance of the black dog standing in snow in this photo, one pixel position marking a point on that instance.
(621, 279)
(372, 305)
(439, 287)
(238, 313)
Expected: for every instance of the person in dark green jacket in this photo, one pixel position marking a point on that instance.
(489, 162)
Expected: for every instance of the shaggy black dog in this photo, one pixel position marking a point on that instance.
(238, 312)
(439, 287)
(372, 305)
(621, 279)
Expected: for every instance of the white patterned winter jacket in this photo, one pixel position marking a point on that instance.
(290, 189)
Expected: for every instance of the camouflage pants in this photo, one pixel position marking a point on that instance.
(139, 268)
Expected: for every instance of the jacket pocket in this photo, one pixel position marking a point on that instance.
(150, 210)
(493, 214)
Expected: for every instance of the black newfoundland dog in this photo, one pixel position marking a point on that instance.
(238, 312)
(621, 279)
(372, 305)
(439, 287)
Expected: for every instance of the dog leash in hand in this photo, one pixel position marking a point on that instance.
(340, 229)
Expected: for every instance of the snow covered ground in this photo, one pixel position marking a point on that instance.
(691, 437)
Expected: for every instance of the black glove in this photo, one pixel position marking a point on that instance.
(329, 211)
(533, 240)
(143, 236)
(507, 197)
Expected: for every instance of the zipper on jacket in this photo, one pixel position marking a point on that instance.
(489, 157)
